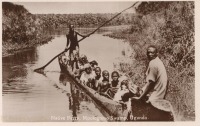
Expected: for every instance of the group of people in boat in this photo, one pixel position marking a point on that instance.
(118, 88)
(112, 85)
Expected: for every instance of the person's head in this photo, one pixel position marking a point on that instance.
(83, 59)
(71, 27)
(152, 52)
(98, 71)
(94, 63)
(88, 68)
(115, 76)
(124, 84)
(105, 74)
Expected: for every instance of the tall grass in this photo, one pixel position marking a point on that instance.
(169, 26)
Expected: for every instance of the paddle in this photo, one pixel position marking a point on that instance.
(42, 68)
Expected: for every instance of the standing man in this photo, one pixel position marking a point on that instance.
(73, 45)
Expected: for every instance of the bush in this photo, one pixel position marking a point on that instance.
(19, 28)
(169, 26)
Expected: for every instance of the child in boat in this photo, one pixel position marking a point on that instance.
(122, 90)
(87, 77)
(83, 59)
(115, 79)
(98, 78)
(80, 66)
(97, 73)
(104, 85)
(93, 64)
(63, 59)
(114, 84)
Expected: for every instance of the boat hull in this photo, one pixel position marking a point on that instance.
(115, 111)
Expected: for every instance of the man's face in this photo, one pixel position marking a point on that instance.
(72, 27)
(151, 53)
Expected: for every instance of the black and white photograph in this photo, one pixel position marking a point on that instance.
(98, 61)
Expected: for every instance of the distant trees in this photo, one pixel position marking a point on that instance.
(82, 20)
(23, 28)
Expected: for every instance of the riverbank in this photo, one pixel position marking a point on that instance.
(175, 42)
(10, 49)
(20, 29)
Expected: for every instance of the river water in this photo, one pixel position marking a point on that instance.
(30, 96)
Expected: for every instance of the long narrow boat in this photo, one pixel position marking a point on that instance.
(112, 110)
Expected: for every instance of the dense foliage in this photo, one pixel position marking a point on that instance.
(169, 26)
(82, 20)
(20, 28)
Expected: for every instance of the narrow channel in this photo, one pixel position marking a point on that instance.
(29, 96)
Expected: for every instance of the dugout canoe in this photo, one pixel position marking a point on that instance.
(115, 111)
(112, 110)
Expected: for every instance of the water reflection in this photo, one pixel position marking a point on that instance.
(29, 96)
(15, 70)
(77, 99)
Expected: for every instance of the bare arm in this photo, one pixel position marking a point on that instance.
(150, 85)
(81, 34)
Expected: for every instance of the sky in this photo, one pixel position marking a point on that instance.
(76, 7)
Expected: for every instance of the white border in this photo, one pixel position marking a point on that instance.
(182, 123)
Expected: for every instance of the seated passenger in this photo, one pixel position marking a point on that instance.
(97, 71)
(104, 85)
(83, 59)
(80, 66)
(114, 84)
(93, 64)
(115, 79)
(63, 59)
(87, 77)
(122, 90)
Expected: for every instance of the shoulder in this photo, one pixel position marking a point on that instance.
(155, 62)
